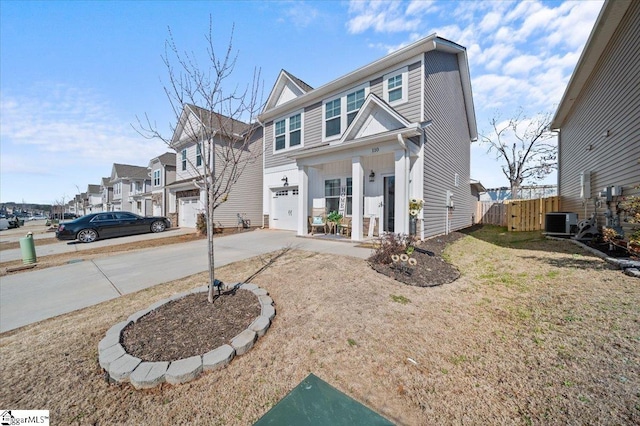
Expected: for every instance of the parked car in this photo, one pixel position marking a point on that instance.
(90, 227)
(15, 222)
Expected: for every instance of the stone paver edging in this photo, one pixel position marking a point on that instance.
(123, 367)
(629, 266)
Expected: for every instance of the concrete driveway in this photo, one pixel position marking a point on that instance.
(33, 296)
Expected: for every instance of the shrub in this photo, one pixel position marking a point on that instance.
(390, 244)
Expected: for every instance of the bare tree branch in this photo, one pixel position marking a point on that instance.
(522, 144)
(221, 121)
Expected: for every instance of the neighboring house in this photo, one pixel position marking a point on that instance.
(187, 197)
(599, 119)
(106, 194)
(398, 128)
(94, 199)
(526, 192)
(130, 186)
(163, 172)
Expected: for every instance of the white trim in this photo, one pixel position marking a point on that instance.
(404, 74)
(343, 110)
(287, 132)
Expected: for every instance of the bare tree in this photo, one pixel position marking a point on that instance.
(524, 145)
(220, 120)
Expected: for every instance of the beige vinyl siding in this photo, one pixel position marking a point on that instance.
(446, 149)
(246, 194)
(610, 101)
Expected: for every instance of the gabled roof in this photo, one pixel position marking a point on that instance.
(127, 171)
(166, 159)
(608, 20)
(287, 87)
(93, 189)
(432, 42)
(375, 116)
(105, 183)
(210, 120)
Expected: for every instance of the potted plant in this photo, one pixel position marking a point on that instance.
(415, 205)
(335, 218)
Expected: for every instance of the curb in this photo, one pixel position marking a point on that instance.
(122, 367)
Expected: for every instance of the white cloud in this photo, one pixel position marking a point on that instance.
(67, 123)
(381, 16)
(301, 14)
(421, 6)
(522, 64)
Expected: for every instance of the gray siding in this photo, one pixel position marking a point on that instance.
(246, 194)
(411, 109)
(447, 146)
(610, 101)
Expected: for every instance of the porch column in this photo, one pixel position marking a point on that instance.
(303, 199)
(401, 206)
(357, 195)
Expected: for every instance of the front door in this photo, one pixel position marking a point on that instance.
(389, 203)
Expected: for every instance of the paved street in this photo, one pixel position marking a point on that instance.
(29, 297)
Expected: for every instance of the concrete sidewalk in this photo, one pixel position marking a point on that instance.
(29, 297)
(59, 247)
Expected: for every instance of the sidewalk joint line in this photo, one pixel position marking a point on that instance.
(105, 275)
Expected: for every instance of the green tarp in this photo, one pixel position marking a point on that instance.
(315, 402)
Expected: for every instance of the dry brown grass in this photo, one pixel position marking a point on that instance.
(533, 332)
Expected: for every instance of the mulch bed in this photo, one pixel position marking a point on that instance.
(430, 271)
(190, 326)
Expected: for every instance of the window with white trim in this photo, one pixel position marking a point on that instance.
(332, 118)
(198, 155)
(340, 111)
(117, 188)
(184, 159)
(332, 194)
(354, 102)
(156, 177)
(396, 86)
(287, 133)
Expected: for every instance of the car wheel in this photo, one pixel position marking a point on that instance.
(158, 226)
(87, 236)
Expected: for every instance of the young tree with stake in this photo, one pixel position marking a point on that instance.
(221, 122)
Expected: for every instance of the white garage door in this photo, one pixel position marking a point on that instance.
(284, 209)
(188, 214)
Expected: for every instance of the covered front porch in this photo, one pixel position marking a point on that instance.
(368, 180)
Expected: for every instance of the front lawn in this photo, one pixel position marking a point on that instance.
(534, 331)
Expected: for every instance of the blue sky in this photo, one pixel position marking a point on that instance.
(74, 75)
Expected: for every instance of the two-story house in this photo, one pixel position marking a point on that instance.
(187, 195)
(370, 141)
(599, 121)
(129, 184)
(93, 199)
(163, 172)
(106, 194)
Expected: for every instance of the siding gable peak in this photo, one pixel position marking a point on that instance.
(374, 117)
(287, 87)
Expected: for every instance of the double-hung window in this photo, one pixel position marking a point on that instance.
(340, 111)
(287, 132)
(332, 194)
(198, 155)
(354, 102)
(332, 118)
(156, 177)
(295, 130)
(396, 86)
(184, 159)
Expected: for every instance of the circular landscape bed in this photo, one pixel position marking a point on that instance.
(176, 339)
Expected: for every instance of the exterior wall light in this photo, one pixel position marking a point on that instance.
(372, 176)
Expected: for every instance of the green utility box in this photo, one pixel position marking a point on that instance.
(28, 249)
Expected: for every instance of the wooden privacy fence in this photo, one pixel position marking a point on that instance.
(518, 215)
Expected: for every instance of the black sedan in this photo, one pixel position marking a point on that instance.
(90, 227)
